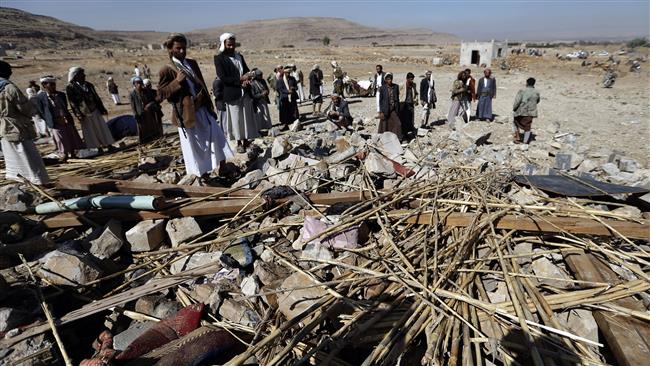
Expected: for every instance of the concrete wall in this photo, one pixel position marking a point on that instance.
(487, 52)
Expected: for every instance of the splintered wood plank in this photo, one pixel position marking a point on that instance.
(629, 338)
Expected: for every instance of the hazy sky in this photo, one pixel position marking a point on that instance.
(524, 19)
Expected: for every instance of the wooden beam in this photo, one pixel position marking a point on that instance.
(628, 338)
(547, 224)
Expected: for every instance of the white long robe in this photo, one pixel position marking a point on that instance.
(205, 145)
(23, 159)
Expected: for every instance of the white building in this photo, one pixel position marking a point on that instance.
(482, 53)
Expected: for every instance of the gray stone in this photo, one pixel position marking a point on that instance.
(628, 165)
(238, 254)
(188, 180)
(249, 286)
(339, 156)
(196, 260)
(500, 294)
(11, 318)
(125, 338)
(169, 177)
(476, 133)
(280, 147)
(146, 235)
(250, 180)
(610, 169)
(543, 267)
(109, 242)
(238, 313)
(61, 268)
(146, 178)
(587, 166)
(581, 323)
(316, 251)
(377, 164)
(14, 198)
(563, 162)
(182, 230)
(166, 308)
(298, 298)
(525, 249)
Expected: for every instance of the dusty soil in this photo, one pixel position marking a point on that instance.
(572, 95)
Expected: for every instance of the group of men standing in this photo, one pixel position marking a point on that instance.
(465, 90)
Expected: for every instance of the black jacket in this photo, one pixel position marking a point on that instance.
(315, 81)
(384, 105)
(217, 91)
(228, 73)
(284, 92)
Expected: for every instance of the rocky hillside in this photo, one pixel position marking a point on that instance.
(310, 31)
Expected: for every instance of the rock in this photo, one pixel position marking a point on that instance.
(388, 144)
(580, 322)
(238, 313)
(525, 249)
(277, 176)
(125, 338)
(422, 132)
(14, 198)
(188, 180)
(523, 196)
(476, 133)
(316, 251)
(629, 211)
(62, 268)
(628, 165)
(610, 169)
(268, 272)
(339, 156)
(297, 298)
(147, 304)
(166, 308)
(145, 178)
(250, 180)
(237, 254)
(196, 260)
(249, 286)
(182, 230)
(146, 235)
(543, 267)
(500, 294)
(587, 166)
(280, 147)
(109, 242)
(11, 318)
(567, 160)
(377, 164)
(202, 292)
(169, 177)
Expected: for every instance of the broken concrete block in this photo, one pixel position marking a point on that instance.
(297, 298)
(580, 322)
(238, 313)
(553, 275)
(182, 230)
(525, 251)
(61, 268)
(195, 260)
(109, 242)
(125, 338)
(628, 165)
(146, 178)
(280, 147)
(14, 198)
(377, 164)
(237, 255)
(250, 180)
(249, 286)
(587, 166)
(476, 133)
(316, 251)
(146, 235)
(610, 169)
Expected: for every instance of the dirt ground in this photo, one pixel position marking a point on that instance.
(572, 95)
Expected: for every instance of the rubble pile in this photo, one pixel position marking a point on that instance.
(333, 246)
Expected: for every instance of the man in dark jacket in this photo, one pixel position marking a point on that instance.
(340, 113)
(260, 93)
(428, 97)
(388, 107)
(315, 89)
(486, 90)
(287, 87)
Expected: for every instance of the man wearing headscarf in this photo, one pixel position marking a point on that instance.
(388, 107)
(236, 77)
(486, 90)
(17, 133)
(287, 87)
(470, 84)
(458, 96)
(260, 92)
(112, 90)
(270, 81)
(181, 83)
(39, 122)
(378, 80)
(53, 107)
(525, 109)
(337, 74)
(407, 107)
(147, 111)
(298, 75)
(340, 113)
(428, 97)
(315, 89)
(89, 109)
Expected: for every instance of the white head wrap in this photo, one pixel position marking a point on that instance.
(222, 40)
(30, 92)
(146, 82)
(73, 71)
(335, 64)
(47, 79)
